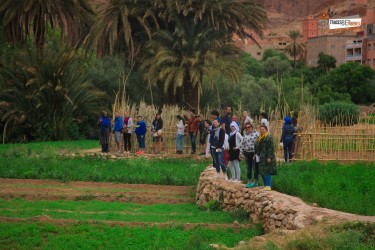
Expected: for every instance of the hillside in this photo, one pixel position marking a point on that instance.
(285, 15)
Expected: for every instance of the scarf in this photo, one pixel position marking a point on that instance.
(234, 124)
(262, 137)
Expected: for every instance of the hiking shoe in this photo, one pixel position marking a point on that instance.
(249, 185)
(226, 177)
(267, 188)
(217, 175)
(141, 153)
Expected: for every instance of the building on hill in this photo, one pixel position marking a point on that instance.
(270, 41)
(346, 45)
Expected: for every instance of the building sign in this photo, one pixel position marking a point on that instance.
(344, 23)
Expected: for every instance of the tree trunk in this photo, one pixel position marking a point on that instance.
(192, 96)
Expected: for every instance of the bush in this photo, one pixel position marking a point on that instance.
(339, 113)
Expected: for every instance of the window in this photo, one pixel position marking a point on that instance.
(369, 46)
(373, 46)
(373, 61)
(259, 53)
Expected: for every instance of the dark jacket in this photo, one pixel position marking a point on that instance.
(157, 124)
(227, 120)
(265, 149)
(288, 133)
(218, 138)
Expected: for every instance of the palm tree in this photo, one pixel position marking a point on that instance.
(136, 23)
(45, 94)
(295, 48)
(22, 19)
(119, 23)
(183, 58)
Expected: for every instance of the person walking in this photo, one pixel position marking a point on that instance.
(180, 134)
(286, 139)
(117, 131)
(217, 144)
(140, 131)
(227, 119)
(193, 129)
(250, 136)
(235, 142)
(104, 124)
(157, 126)
(265, 152)
(127, 132)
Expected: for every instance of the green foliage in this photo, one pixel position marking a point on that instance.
(339, 114)
(326, 62)
(212, 205)
(348, 188)
(268, 53)
(276, 66)
(253, 67)
(351, 78)
(45, 96)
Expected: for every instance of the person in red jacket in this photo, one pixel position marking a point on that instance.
(193, 129)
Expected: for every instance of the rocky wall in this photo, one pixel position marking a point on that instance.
(264, 206)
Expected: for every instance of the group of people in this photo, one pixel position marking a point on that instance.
(123, 129)
(223, 138)
(228, 140)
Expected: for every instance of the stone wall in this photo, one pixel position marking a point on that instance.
(263, 205)
(275, 210)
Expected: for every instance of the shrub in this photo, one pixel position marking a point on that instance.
(339, 113)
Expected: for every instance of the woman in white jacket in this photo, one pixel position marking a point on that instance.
(235, 142)
(180, 135)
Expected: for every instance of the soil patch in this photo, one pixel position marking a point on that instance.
(79, 190)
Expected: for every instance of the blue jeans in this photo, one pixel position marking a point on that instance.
(193, 136)
(180, 142)
(218, 160)
(267, 180)
(250, 164)
(141, 141)
(288, 145)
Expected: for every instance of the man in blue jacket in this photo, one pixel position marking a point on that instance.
(117, 131)
(140, 131)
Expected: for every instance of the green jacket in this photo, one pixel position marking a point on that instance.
(265, 149)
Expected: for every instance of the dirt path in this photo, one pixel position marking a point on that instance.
(79, 190)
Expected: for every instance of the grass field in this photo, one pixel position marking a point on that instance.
(114, 211)
(102, 236)
(348, 188)
(42, 161)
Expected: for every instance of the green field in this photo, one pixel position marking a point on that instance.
(102, 236)
(124, 225)
(43, 161)
(349, 188)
